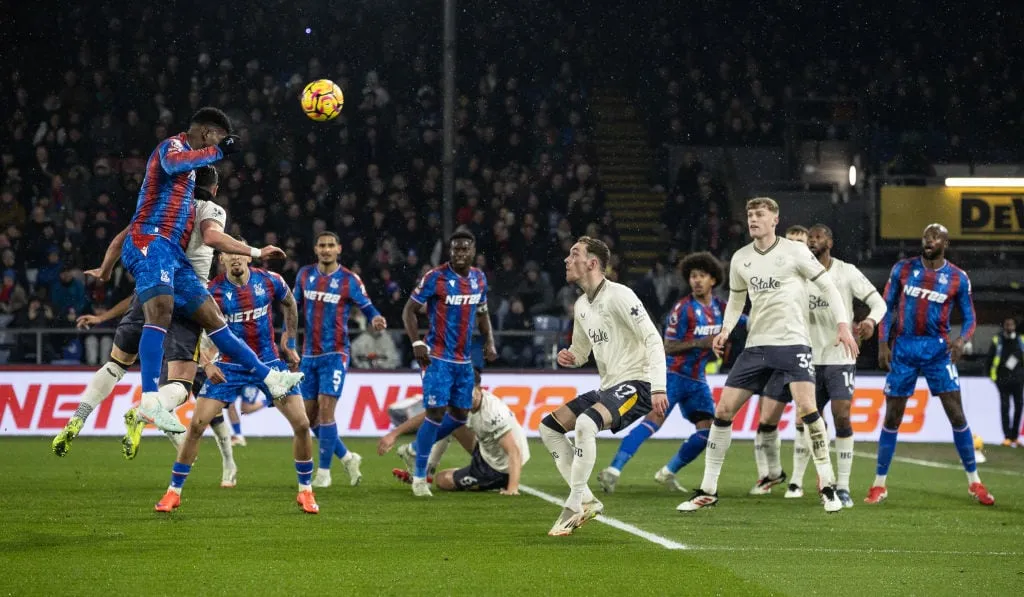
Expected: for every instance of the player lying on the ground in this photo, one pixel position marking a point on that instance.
(610, 322)
(327, 292)
(153, 252)
(920, 296)
(181, 344)
(835, 375)
(773, 271)
(247, 297)
(497, 458)
(689, 329)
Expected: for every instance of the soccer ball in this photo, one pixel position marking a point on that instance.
(322, 100)
(979, 445)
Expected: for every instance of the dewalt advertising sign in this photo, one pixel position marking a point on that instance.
(979, 214)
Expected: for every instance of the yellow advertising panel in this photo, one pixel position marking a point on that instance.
(980, 214)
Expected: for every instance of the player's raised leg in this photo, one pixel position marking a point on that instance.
(609, 476)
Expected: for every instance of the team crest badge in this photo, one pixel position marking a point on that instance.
(780, 261)
(917, 273)
(943, 279)
(259, 291)
(334, 284)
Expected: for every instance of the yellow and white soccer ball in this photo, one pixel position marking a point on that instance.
(322, 100)
(979, 449)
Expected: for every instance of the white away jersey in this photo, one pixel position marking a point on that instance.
(491, 423)
(200, 255)
(625, 343)
(775, 282)
(822, 321)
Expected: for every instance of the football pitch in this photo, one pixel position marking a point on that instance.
(84, 525)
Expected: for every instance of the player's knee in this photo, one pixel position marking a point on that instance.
(724, 411)
(588, 426)
(460, 414)
(844, 428)
(301, 427)
(550, 422)
(216, 420)
(196, 429)
(704, 422)
(766, 428)
(656, 419)
(435, 414)
(445, 480)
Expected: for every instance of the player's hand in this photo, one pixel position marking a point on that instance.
(422, 355)
(85, 322)
(490, 353)
(99, 273)
(291, 357)
(385, 444)
(272, 252)
(866, 329)
(509, 491)
(956, 350)
(846, 339)
(659, 403)
(214, 374)
(884, 356)
(230, 144)
(566, 358)
(379, 323)
(718, 344)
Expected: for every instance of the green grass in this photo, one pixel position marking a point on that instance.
(84, 525)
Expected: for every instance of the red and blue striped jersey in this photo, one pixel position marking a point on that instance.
(452, 303)
(165, 206)
(920, 300)
(690, 320)
(249, 309)
(326, 301)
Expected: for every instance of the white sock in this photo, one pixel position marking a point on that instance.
(973, 477)
(436, 452)
(760, 457)
(719, 439)
(879, 481)
(172, 395)
(323, 471)
(222, 431)
(99, 387)
(176, 490)
(583, 464)
(772, 447)
(818, 437)
(176, 438)
(844, 455)
(801, 456)
(560, 449)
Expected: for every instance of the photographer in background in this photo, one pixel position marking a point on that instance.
(1006, 368)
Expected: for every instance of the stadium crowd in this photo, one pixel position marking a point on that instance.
(74, 145)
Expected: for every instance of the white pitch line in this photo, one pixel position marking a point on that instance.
(612, 522)
(839, 550)
(941, 465)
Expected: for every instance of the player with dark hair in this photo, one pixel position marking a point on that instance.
(610, 322)
(689, 329)
(914, 340)
(455, 297)
(247, 296)
(327, 291)
(154, 253)
(798, 232)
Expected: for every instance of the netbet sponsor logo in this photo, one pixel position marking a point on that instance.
(248, 315)
(929, 295)
(707, 330)
(462, 299)
(324, 297)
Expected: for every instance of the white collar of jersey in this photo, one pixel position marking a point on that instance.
(452, 269)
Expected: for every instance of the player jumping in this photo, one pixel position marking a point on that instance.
(153, 252)
(690, 327)
(773, 270)
(455, 297)
(914, 341)
(610, 322)
(835, 374)
(497, 458)
(328, 291)
(247, 297)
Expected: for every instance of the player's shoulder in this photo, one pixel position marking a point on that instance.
(217, 280)
(620, 291)
(303, 272)
(178, 142)
(207, 210)
(743, 252)
(478, 274)
(683, 303)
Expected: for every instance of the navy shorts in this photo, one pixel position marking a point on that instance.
(756, 366)
(627, 402)
(479, 476)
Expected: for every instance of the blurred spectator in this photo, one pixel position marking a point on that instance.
(374, 349)
(12, 294)
(68, 292)
(517, 351)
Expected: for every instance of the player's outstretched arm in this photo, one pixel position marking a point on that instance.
(515, 463)
(85, 322)
(110, 257)
(388, 440)
(215, 237)
(175, 159)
